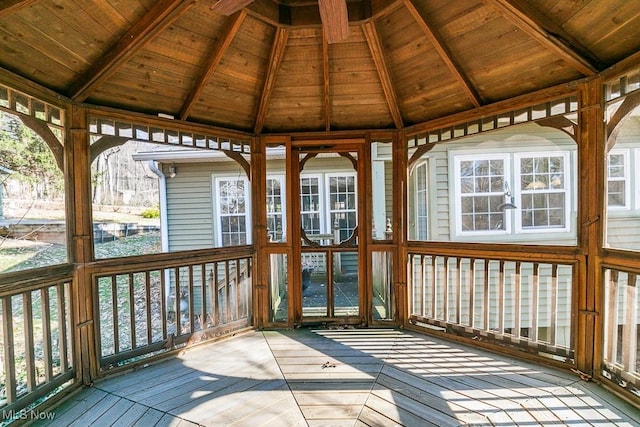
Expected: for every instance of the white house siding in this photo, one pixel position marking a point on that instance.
(523, 138)
(190, 213)
(623, 224)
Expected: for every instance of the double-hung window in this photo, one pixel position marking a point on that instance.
(618, 179)
(512, 193)
(480, 188)
(342, 204)
(543, 191)
(275, 208)
(233, 211)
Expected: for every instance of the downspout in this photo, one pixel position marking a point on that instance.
(162, 189)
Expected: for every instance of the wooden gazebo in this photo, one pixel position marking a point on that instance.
(422, 81)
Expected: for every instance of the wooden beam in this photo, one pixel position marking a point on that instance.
(326, 83)
(277, 52)
(229, 7)
(158, 18)
(445, 54)
(42, 129)
(103, 144)
(9, 7)
(630, 103)
(549, 35)
(375, 47)
(212, 62)
(335, 19)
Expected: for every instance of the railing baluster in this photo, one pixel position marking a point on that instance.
(227, 289)
(516, 304)
(485, 296)
(132, 310)
(114, 305)
(46, 333)
(216, 292)
(554, 305)
(203, 296)
(533, 336)
(501, 296)
(629, 329)
(236, 274)
(147, 301)
(63, 324)
(29, 354)
(190, 308)
(9, 355)
(176, 302)
(458, 279)
(434, 290)
(472, 291)
(163, 302)
(445, 290)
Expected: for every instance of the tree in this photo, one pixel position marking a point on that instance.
(34, 166)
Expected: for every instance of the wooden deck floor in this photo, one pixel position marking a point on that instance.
(350, 377)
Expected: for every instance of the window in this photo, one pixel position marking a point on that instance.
(275, 209)
(421, 200)
(481, 189)
(617, 178)
(233, 213)
(342, 204)
(543, 191)
(490, 199)
(310, 204)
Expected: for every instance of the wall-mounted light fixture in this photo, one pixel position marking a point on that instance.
(508, 204)
(172, 171)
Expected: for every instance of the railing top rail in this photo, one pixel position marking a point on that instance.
(20, 281)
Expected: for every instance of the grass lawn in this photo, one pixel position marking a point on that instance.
(18, 255)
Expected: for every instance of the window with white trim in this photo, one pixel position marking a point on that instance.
(310, 204)
(342, 204)
(233, 211)
(480, 192)
(421, 186)
(618, 179)
(543, 191)
(276, 208)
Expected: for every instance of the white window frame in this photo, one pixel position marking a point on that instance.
(283, 198)
(626, 156)
(517, 156)
(218, 211)
(329, 210)
(417, 191)
(458, 158)
(321, 200)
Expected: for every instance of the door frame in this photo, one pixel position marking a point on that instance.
(358, 147)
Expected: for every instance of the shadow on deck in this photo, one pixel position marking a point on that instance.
(350, 377)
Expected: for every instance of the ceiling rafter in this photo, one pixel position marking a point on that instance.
(326, 82)
(335, 20)
(8, 7)
(445, 54)
(375, 47)
(275, 59)
(212, 62)
(229, 7)
(548, 34)
(157, 19)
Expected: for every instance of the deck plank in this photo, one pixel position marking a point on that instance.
(343, 378)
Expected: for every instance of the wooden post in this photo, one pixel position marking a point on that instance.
(80, 239)
(588, 335)
(260, 238)
(399, 225)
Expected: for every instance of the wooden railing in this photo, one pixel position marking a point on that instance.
(621, 328)
(518, 302)
(37, 337)
(167, 301)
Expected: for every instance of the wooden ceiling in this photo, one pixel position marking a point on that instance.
(269, 68)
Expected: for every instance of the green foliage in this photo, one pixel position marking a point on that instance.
(151, 213)
(33, 163)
